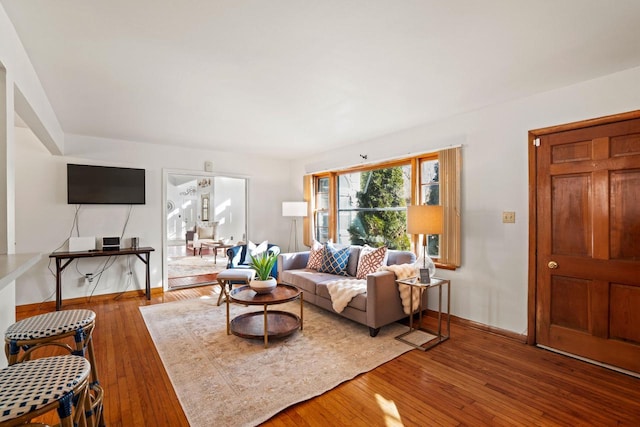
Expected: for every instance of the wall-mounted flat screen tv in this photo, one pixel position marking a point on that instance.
(105, 185)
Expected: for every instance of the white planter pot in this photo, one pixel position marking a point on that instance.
(263, 286)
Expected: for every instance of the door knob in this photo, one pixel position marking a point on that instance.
(552, 264)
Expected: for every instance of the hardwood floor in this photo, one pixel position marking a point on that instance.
(188, 281)
(475, 378)
(178, 282)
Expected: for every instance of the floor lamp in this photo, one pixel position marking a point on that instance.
(294, 210)
(425, 220)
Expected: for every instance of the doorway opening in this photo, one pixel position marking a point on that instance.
(205, 213)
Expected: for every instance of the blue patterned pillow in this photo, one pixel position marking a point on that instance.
(334, 260)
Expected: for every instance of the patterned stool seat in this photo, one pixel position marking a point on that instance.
(50, 325)
(35, 387)
(231, 276)
(52, 329)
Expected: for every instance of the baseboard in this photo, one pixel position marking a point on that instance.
(481, 326)
(48, 306)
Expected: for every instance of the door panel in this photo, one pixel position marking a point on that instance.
(588, 242)
(625, 319)
(571, 225)
(570, 302)
(625, 214)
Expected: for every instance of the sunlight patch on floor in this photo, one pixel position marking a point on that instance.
(391, 414)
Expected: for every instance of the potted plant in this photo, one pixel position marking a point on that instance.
(263, 263)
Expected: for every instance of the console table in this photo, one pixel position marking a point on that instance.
(142, 253)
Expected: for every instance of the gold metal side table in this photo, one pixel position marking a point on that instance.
(435, 282)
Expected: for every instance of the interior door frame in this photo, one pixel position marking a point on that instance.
(533, 208)
(163, 208)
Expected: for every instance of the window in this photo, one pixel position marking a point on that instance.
(321, 212)
(372, 207)
(367, 204)
(430, 195)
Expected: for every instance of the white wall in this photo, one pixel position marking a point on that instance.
(491, 285)
(229, 215)
(30, 98)
(44, 219)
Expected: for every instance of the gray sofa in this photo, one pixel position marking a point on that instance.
(380, 306)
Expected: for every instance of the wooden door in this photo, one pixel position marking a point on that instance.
(587, 233)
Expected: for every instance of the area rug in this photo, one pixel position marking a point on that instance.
(183, 266)
(225, 380)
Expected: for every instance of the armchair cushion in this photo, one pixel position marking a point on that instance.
(206, 232)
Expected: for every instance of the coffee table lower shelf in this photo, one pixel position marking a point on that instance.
(252, 325)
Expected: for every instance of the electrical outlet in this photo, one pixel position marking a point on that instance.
(508, 217)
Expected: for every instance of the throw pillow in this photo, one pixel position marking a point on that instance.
(315, 256)
(255, 250)
(205, 232)
(334, 261)
(371, 259)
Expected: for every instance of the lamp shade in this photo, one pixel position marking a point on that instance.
(424, 219)
(294, 209)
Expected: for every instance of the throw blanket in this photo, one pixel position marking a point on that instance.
(404, 271)
(342, 291)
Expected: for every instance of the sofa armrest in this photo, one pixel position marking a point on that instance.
(383, 299)
(292, 261)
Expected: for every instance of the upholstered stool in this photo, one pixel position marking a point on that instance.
(51, 329)
(233, 276)
(35, 387)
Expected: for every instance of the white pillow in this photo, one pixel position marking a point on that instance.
(205, 232)
(255, 250)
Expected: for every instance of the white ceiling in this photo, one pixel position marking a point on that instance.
(292, 77)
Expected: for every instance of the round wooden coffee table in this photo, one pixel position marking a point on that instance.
(264, 324)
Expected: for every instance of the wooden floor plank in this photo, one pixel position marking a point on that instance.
(475, 378)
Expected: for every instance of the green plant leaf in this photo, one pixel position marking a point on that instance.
(263, 263)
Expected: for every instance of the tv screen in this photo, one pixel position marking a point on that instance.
(106, 185)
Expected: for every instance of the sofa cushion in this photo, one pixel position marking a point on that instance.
(371, 259)
(352, 264)
(334, 261)
(305, 279)
(315, 256)
(358, 302)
